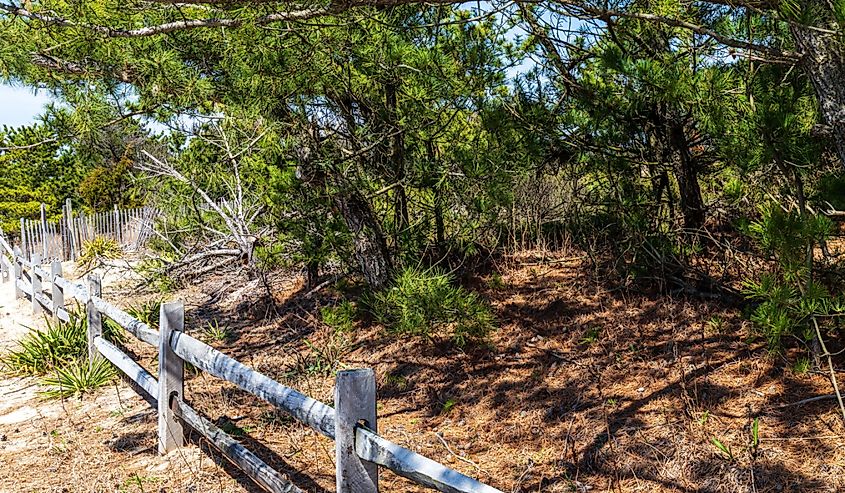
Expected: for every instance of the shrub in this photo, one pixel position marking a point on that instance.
(789, 298)
(78, 377)
(39, 352)
(147, 312)
(154, 271)
(62, 343)
(422, 302)
(340, 317)
(98, 249)
(214, 332)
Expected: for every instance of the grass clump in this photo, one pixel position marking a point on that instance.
(340, 317)
(423, 302)
(78, 377)
(214, 332)
(99, 249)
(39, 352)
(147, 312)
(60, 355)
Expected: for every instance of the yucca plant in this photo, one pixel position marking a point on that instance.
(98, 249)
(77, 377)
(40, 351)
(147, 312)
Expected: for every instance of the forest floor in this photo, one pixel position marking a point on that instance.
(583, 388)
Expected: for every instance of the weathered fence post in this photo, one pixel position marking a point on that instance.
(18, 273)
(57, 294)
(95, 319)
(35, 283)
(44, 251)
(24, 250)
(4, 270)
(171, 370)
(70, 229)
(355, 401)
(117, 225)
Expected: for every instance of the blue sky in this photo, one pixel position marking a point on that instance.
(20, 105)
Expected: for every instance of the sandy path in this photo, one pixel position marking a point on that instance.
(15, 316)
(98, 443)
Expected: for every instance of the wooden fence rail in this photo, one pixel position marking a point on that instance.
(360, 451)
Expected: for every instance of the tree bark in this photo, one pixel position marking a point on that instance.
(371, 252)
(824, 64)
(686, 174)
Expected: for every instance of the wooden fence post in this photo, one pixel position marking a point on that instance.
(4, 270)
(70, 229)
(18, 273)
(35, 283)
(355, 401)
(24, 250)
(117, 237)
(44, 251)
(94, 317)
(171, 370)
(57, 294)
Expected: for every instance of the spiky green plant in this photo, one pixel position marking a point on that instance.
(340, 317)
(789, 297)
(40, 351)
(77, 377)
(98, 249)
(216, 332)
(147, 312)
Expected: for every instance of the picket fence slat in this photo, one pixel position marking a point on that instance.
(63, 238)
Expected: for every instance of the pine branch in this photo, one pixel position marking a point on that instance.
(190, 24)
(584, 11)
(168, 27)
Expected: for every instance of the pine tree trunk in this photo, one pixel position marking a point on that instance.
(686, 174)
(371, 251)
(824, 64)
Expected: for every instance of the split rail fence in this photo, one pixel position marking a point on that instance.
(63, 239)
(352, 423)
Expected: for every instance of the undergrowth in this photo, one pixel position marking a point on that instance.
(59, 354)
(98, 249)
(77, 377)
(425, 302)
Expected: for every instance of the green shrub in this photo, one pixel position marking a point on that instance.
(98, 249)
(40, 352)
(78, 377)
(340, 317)
(214, 332)
(147, 312)
(153, 270)
(422, 302)
(788, 298)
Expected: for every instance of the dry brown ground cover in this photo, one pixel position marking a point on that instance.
(582, 389)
